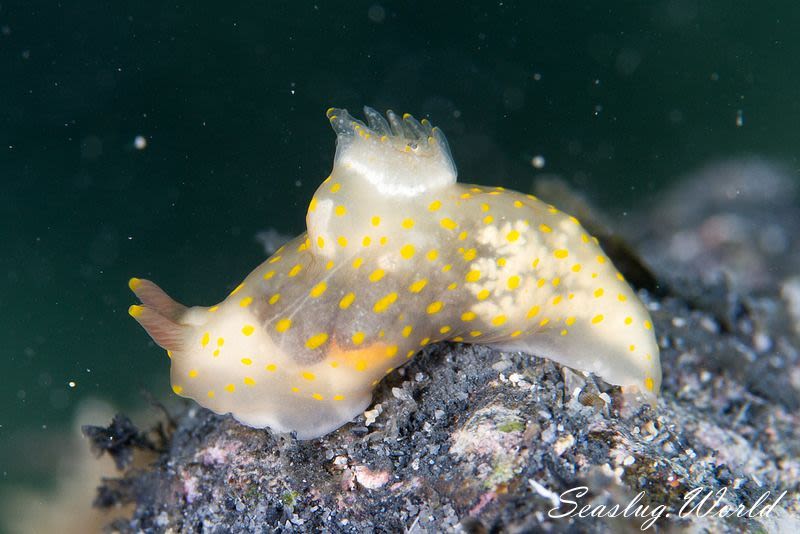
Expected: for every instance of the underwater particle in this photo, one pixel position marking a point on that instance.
(140, 142)
(538, 162)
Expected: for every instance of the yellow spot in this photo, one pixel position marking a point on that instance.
(347, 300)
(556, 281)
(648, 325)
(358, 338)
(462, 236)
(342, 240)
(294, 271)
(382, 304)
(213, 308)
(360, 365)
(620, 277)
(245, 302)
(230, 388)
(435, 205)
(135, 311)
(193, 373)
(248, 329)
(268, 275)
(484, 207)
(475, 333)
(468, 316)
(584, 238)
(512, 236)
(573, 220)
(204, 340)
(407, 224)
(407, 330)
(540, 283)
(177, 389)
(366, 241)
(544, 228)
(340, 211)
(649, 383)
(295, 389)
(308, 375)
(535, 263)
(544, 321)
(316, 340)
(376, 275)
(499, 320)
(501, 262)
(418, 286)
(335, 187)
(452, 286)
(518, 204)
(216, 353)
(249, 381)
(376, 221)
(358, 262)
(597, 318)
(601, 259)
(383, 240)
(169, 354)
(465, 196)
(448, 224)
(435, 307)
(320, 242)
(628, 320)
(564, 332)
(598, 292)
(458, 338)
(557, 299)
(516, 333)
(407, 251)
(569, 321)
(561, 253)
(473, 276)
(432, 255)
(622, 298)
(318, 289)
(283, 325)
(513, 282)
(424, 341)
(273, 259)
(632, 348)
(470, 254)
(483, 294)
(210, 394)
(317, 396)
(221, 341)
(270, 367)
(576, 268)
(312, 205)
(247, 361)
(488, 219)
(274, 298)
(445, 329)
(594, 275)
(533, 312)
(133, 283)
(391, 351)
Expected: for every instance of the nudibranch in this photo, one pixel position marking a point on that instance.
(396, 256)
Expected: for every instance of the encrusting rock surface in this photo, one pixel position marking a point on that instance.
(465, 438)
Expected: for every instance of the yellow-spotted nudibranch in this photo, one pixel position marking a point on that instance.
(398, 255)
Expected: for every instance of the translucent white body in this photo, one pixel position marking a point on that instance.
(398, 255)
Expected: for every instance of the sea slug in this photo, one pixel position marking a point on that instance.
(398, 255)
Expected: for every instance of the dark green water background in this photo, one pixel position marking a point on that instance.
(619, 98)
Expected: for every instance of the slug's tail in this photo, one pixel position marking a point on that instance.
(158, 314)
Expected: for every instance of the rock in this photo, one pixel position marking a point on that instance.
(465, 437)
